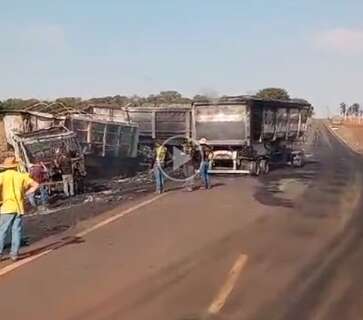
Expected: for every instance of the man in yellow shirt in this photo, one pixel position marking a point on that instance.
(158, 163)
(14, 187)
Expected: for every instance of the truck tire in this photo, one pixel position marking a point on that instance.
(255, 168)
(297, 161)
(264, 166)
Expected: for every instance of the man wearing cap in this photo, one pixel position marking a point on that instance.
(206, 152)
(14, 187)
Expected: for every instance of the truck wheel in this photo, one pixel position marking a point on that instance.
(267, 167)
(264, 166)
(255, 168)
(297, 162)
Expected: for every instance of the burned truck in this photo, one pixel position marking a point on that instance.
(155, 121)
(43, 145)
(162, 122)
(106, 143)
(110, 146)
(247, 134)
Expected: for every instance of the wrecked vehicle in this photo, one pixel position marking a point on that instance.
(247, 133)
(44, 144)
(106, 144)
(155, 121)
(162, 122)
(28, 121)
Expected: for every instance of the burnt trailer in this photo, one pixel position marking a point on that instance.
(162, 122)
(28, 121)
(43, 145)
(108, 145)
(247, 133)
(155, 121)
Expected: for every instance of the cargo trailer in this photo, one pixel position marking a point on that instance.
(247, 133)
(155, 121)
(108, 145)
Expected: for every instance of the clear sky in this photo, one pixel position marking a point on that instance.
(87, 48)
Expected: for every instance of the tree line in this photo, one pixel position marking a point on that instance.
(164, 97)
(352, 110)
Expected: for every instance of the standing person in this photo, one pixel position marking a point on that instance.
(39, 173)
(206, 152)
(65, 165)
(79, 176)
(158, 163)
(14, 187)
(190, 165)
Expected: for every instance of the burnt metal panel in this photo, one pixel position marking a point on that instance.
(106, 138)
(221, 122)
(265, 120)
(161, 123)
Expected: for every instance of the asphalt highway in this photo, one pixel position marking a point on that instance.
(285, 246)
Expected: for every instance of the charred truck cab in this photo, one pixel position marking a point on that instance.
(247, 133)
(41, 145)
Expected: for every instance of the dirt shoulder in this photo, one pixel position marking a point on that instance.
(351, 134)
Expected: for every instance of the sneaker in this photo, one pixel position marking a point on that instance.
(14, 258)
(2, 258)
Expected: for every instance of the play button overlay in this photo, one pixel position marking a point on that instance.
(180, 158)
(183, 160)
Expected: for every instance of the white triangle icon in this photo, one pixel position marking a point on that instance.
(179, 158)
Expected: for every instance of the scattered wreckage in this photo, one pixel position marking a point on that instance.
(44, 144)
(99, 142)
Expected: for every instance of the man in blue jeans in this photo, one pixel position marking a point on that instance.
(15, 186)
(206, 152)
(39, 173)
(158, 163)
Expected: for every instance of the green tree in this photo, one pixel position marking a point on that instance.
(170, 96)
(18, 104)
(200, 97)
(343, 108)
(273, 93)
(355, 107)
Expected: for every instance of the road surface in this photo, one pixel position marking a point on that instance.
(285, 246)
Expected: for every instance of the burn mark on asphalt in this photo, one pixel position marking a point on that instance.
(282, 186)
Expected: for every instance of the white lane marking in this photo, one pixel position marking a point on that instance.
(20, 263)
(220, 300)
(15, 265)
(118, 216)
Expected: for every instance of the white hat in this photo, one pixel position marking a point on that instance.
(203, 141)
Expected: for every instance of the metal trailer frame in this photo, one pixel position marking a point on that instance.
(59, 133)
(281, 139)
(164, 128)
(91, 121)
(155, 121)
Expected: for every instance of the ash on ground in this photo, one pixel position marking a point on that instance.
(101, 195)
